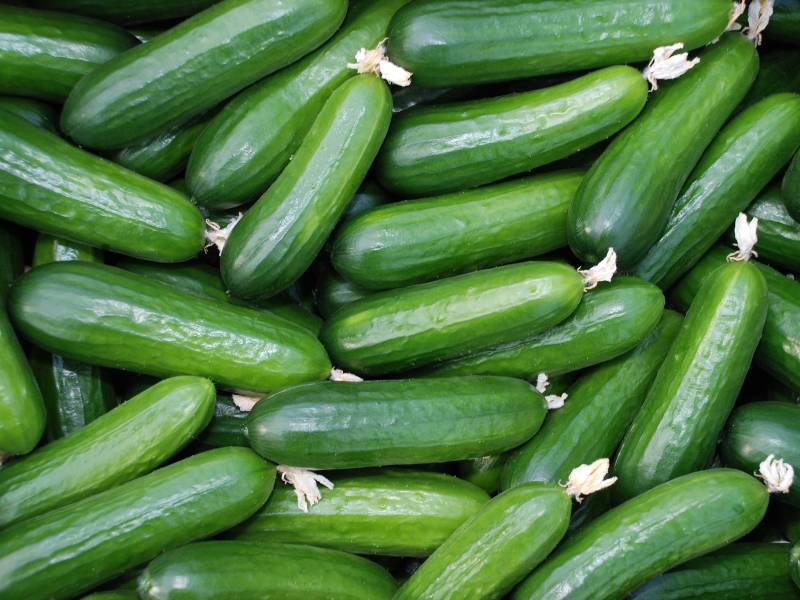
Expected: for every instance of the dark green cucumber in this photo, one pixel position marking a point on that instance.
(457, 42)
(759, 429)
(253, 138)
(109, 317)
(72, 549)
(684, 412)
(412, 96)
(484, 471)
(420, 240)
(332, 292)
(368, 197)
(281, 234)
(411, 327)
(791, 187)
(609, 321)
(12, 262)
(225, 569)
(663, 527)
(113, 595)
(445, 148)
(193, 67)
(746, 154)
(33, 111)
(777, 72)
(611, 394)
(386, 512)
(794, 564)
(129, 441)
(412, 421)
(87, 199)
(127, 12)
(228, 426)
(625, 199)
(784, 25)
(778, 232)
(736, 572)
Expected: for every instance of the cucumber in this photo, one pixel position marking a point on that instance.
(33, 111)
(746, 154)
(484, 471)
(738, 571)
(778, 232)
(129, 441)
(43, 54)
(127, 12)
(401, 422)
(412, 96)
(684, 412)
(145, 34)
(11, 258)
(282, 233)
(113, 595)
(411, 327)
(109, 317)
(253, 138)
(658, 530)
(784, 25)
(625, 199)
(461, 42)
(432, 150)
(90, 200)
(611, 393)
(420, 240)
(74, 548)
(368, 197)
(211, 570)
(794, 565)
(228, 426)
(758, 429)
(385, 512)
(777, 73)
(609, 321)
(332, 292)
(791, 187)
(193, 67)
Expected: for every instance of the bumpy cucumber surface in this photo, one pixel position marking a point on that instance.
(127, 12)
(33, 111)
(778, 232)
(791, 187)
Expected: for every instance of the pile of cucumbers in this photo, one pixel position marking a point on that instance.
(399, 299)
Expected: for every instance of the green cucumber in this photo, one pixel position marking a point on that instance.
(608, 322)
(777, 72)
(193, 67)
(420, 240)
(377, 423)
(145, 34)
(446, 148)
(106, 316)
(790, 188)
(784, 25)
(668, 525)
(368, 197)
(72, 549)
(778, 232)
(625, 199)
(386, 512)
(87, 199)
(228, 426)
(332, 292)
(412, 96)
(746, 154)
(127, 12)
(225, 569)
(684, 412)
(794, 564)
(113, 595)
(397, 330)
(759, 429)
(612, 394)
(128, 441)
(281, 234)
(12, 262)
(483, 471)
(254, 137)
(33, 111)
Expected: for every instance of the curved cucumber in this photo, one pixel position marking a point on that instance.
(228, 426)
(659, 529)
(625, 199)
(684, 412)
(193, 67)
(777, 72)
(282, 233)
(127, 12)
(791, 187)
(420, 240)
(412, 421)
(445, 148)
(388, 513)
(332, 292)
(400, 329)
(785, 22)
(121, 445)
(778, 232)
(109, 317)
(33, 111)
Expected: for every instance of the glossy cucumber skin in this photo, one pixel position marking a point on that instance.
(612, 394)
(412, 421)
(123, 320)
(228, 426)
(74, 548)
(777, 72)
(385, 512)
(785, 22)
(43, 54)
(193, 67)
(432, 150)
(247, 145)
(623, 548)
(129, 441)
(90, 200)
(281, 234)
(608, 322)
(34, 111)
(790, 189)
(465, 42)
(127, 12)
(778, 232)
(746, 154)
(677, 429)
(397, 330)
(332, 292)
(269, 571)
(410, 242)
(625, 199)
(758, 429)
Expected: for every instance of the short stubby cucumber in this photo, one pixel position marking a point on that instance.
(791, 187)
(127, 12)
(34, 112)
(778, 232)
